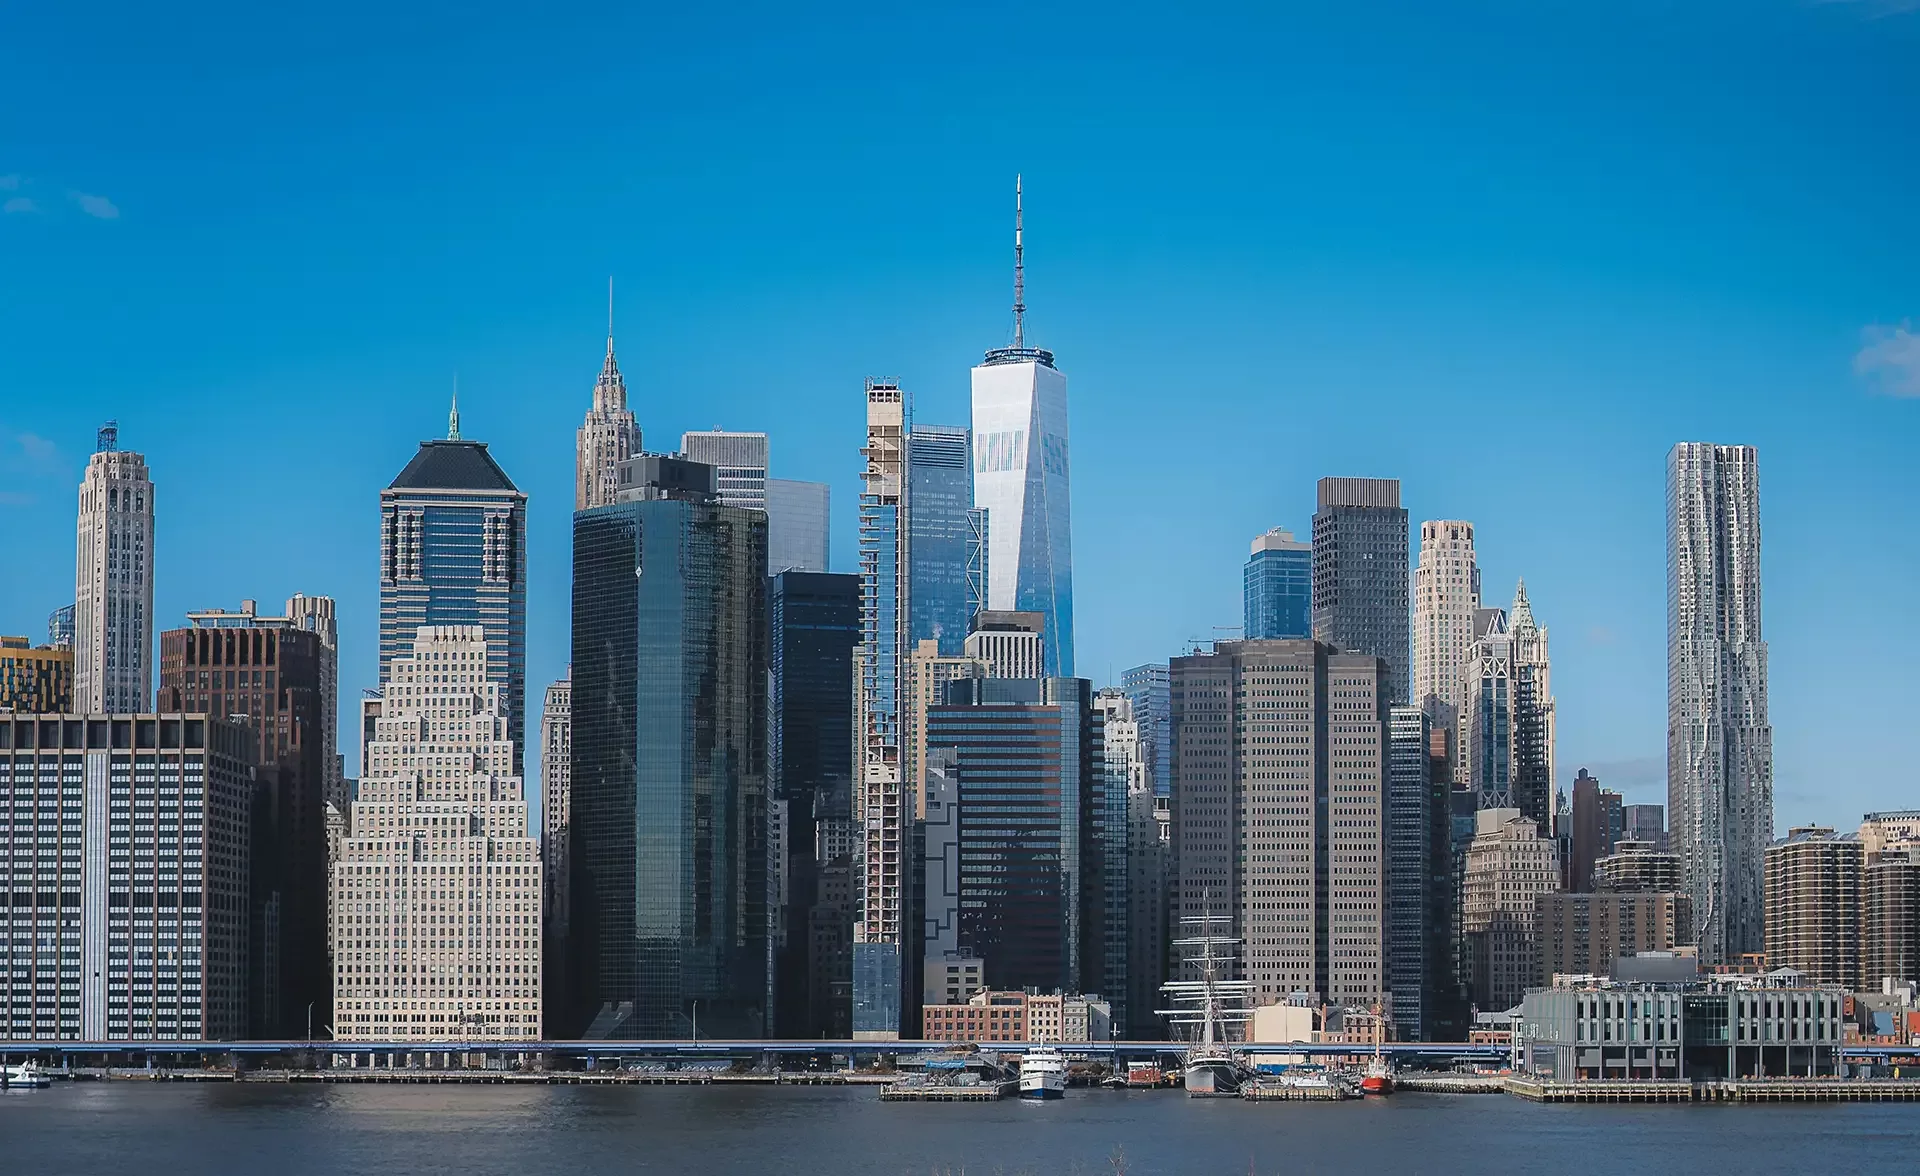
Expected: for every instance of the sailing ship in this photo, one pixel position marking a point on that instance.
(1212, 1007)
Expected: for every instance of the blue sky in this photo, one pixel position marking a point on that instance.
(1506, 254)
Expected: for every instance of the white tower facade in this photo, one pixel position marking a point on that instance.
(608, 436)
(1021, 478)
(1446, 592)
(436, 895)
(113, 583)
(1719, 742)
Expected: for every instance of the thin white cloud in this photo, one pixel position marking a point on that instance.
(1889, 358)
(20, 204)
(95, 206)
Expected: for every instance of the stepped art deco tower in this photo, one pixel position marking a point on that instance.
(1020, 477)
(608, 436)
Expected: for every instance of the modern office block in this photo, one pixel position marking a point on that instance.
(264, 675)
(60, 627)
(939, 500)
(113, 630)
(1446, 594)
(1278, 588)
(1813, 907)
(739, 460)
(1125, 777)
(608, 435)
(1535, 723)
(35, 679)
(1021, 479)
(1719, 743)
(556, 833)
(669, 889)
(1280, 763)
(132, 835)
(1148, 690)
(1509, 866)
(316, 615)
(1409, 850)
(813, 632)
(436, 932)
(453, 551)
(883, 810)
(799, 526)
(1645, 822)
(1009, 645)
(1360, 574)
(1032, 779)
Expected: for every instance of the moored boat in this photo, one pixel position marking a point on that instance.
(26, 1075)
(1043, 1074)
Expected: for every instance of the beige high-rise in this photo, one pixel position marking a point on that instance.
(608, 436)
(1509, 866)
(1279, 763)
(927, 676)
(1446, 591)
(1813, 904)
(113, 631)
(436, 911)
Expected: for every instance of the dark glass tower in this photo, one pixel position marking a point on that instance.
(814, 628)
(1030, 760)
(939, 496)
(453, 551)
(669, 831)
(1360, 574)
(1279, 587)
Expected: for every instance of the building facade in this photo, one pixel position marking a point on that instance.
(882, 809)
(1021, 479)
(1534, 721)
(1278, 588)
(1360, 574)
(134, 834)
(1149, 689)
(1890, 917)
(1719, 743)
(1637, 866)
(669, 886)
(608, 435)
(265, 676)
(1813, 879)
(1031, 771)
(1280, 762)
(799, 526)
(60, 627)
(453, 551)
(1509, 866)
(939, 502)
(814, 633)
(740, 462)
(1419, 928)
(436, 896)
(1598, 821)
(1645, 822)
(1446, 594)
(35, 679)
(113, 631)
(1584, 934)
(556, 816)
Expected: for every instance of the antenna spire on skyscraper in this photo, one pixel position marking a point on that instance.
(1019, 271)
(609, 314)
(453, 414)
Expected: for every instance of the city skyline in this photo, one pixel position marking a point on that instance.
(1678, 356)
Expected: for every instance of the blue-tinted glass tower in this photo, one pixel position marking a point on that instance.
(453, 551)
(669, 832)
(1279, 587)
(939, 497)
(1147, 688)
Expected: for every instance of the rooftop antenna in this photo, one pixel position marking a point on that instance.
(1019, 272)
(106, 438)
(453, 415)
(609, 314)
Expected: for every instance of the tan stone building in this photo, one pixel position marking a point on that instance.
(35, 679)
(1813, 904)
(1509, 866)
(1584, 934)
(1636, 867)
(1890, 917)
(436, 911)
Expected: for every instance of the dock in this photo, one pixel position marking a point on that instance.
(1746, 1090)
(1418, 1083)
(946, 1092)
(1283, 1092)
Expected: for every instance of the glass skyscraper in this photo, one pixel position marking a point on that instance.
(1279, 587)
(939, 496)
(1031, 768)
(453, 551)
(1360, 574)
(670, 819)
(1147, 689)
(814, 630)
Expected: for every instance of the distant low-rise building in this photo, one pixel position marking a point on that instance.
(35, 679)
(989, 1016)
(1587, 934)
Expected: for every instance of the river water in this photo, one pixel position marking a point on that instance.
(280, 1130)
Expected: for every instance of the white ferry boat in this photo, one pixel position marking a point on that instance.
(1043, 1074)
(25, 1075)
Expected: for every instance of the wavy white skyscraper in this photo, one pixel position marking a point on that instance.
(1020, 478)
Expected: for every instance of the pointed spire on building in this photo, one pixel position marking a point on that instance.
(453, 414)
(609, 317)
(610, 392)
(1019, 271)
(1521, 615)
